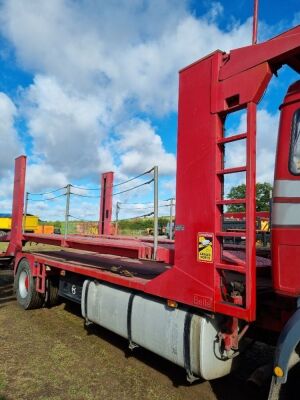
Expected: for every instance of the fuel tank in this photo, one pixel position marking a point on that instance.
(184, 338)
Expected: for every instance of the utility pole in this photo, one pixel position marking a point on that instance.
(155, 202)
(67, 212)
(171, 219)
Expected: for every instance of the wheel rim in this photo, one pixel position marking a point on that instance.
(23, 284)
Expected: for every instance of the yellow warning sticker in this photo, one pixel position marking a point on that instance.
(205, 247)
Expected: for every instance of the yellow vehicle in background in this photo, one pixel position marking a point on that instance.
(31, 223)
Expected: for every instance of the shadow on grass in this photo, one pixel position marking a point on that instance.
(175, 373)
(6, 287)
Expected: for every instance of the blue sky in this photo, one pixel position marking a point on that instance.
(88, 86)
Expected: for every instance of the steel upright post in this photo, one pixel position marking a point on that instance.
(155, 227)
(107, 184)
(171, 219)
(15, 243)
(25, 211)
(255, 22)
(67, 213)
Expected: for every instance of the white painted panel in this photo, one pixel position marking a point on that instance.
(286, 214)
(286, 188)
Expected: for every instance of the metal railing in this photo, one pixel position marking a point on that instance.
(73, 190)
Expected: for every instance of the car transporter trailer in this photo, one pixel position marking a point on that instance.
(194, 300)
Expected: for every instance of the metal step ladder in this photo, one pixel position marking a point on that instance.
(246, 269)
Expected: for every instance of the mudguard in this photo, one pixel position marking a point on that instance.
(287, 342)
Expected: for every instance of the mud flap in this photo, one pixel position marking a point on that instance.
(286, 345)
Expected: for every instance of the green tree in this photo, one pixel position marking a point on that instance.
(262, 197)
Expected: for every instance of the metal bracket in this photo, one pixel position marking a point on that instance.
(132, 345)
(190, 377)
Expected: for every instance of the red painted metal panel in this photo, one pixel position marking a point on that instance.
(276, 52)
(195, 195)
(242, 88)
(107, 181)
(286, 239)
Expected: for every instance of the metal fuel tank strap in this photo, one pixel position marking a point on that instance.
(186, 348)
(87, 322)
(132, 345)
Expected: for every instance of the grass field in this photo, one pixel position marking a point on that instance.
(30, 247)
(3, 246)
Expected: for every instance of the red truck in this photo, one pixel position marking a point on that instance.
(196, 300)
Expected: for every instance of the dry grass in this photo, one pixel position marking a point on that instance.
(30, 247)
(47, 354)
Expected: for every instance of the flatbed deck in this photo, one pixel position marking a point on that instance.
(128, 267)
(116, 245)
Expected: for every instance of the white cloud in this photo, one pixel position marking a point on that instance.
(141, 148)
(10, 145)
(42, 176)
(67, 128)
(96, 62)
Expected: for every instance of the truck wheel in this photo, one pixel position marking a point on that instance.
(24, 284)
(53, 286)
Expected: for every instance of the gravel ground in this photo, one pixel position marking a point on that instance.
(48, 354)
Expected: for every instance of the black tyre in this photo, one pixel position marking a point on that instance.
(27, 296)
(52, 291)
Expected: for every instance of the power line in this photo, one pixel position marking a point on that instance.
(85, 195)
(50, 192)
(135, 177)
(144, 208)
(51, 198)
(135, 187)
(140, 202)
(82, 219)
(84, 188)
(139, 216)
(72, 216)
(95, 188)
